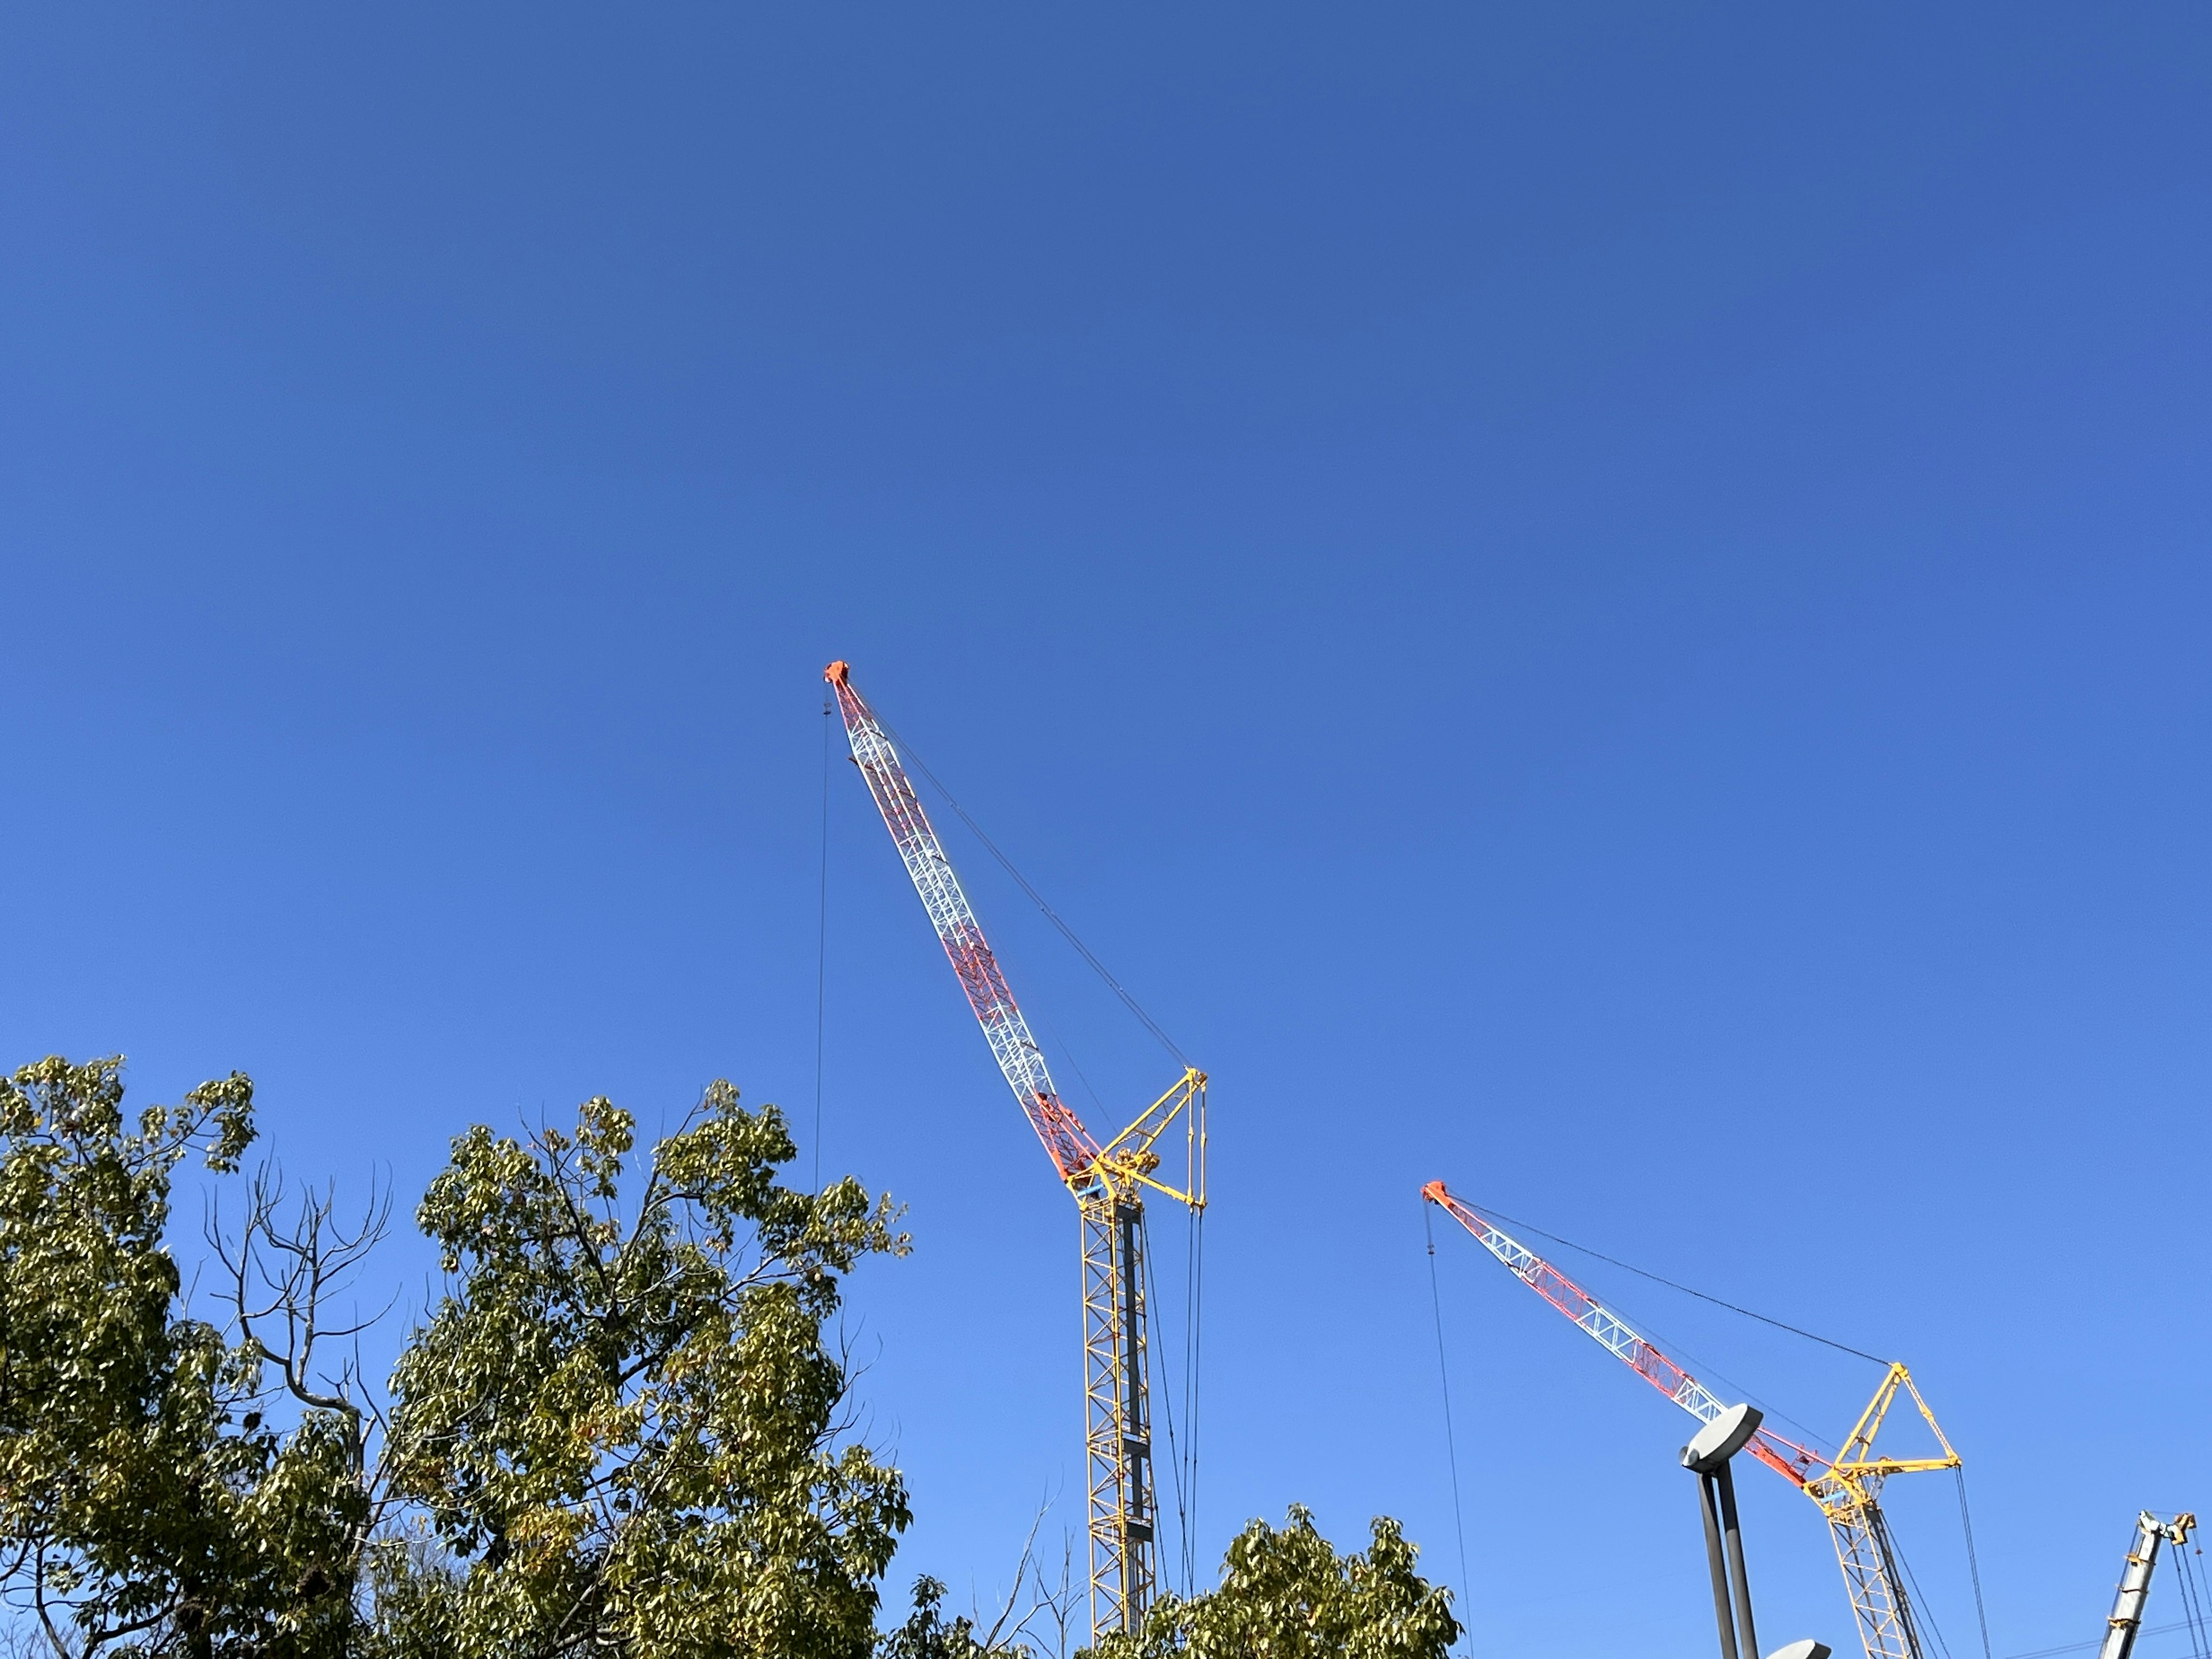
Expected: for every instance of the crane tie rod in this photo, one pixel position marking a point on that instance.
(1036, 897)
(1795, 1330)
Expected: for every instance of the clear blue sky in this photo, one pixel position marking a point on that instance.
(1611, 606)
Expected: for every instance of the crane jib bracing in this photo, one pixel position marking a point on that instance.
(1108, 1182)
(1845, 1486)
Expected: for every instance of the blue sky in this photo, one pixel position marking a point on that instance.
(1609, 606)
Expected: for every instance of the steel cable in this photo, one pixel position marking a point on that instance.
(821, 946)
(1973, 1563)
(1037, 898)
(1780, 1324)
(2187, 1575)
(1444, 1378)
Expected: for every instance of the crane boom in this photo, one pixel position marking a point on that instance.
(1616, 1336)
(1844, 1486)
(1069, 1145)
(1108, 1182)
(2126, 1621)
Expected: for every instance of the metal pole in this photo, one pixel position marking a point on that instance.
(1706, 1502)
(1741, 1579)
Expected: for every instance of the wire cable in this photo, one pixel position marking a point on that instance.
(1973, 1563)
(2187, 1575)
(2188, 1605)
(1037, 898)
(1167, 1400)
(2096, 1642)
(822, 945)
(1709, 1374)
(1643, 1328)
(1925, 1614)
(1780, 1324)
(1444, 1378)
(1194, 1276)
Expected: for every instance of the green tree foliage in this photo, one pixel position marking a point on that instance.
(622, 1425)
(928, 1634)
(1288, 1594)
(621, 1431)
(145, 1506)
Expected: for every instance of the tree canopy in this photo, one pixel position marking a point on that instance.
(1286, 1593)
(146, 1503)
(621, 1430)
(621, 1427)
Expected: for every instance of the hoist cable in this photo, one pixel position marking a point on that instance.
(1037, 898)
(2187, 1574)
(1974, 1564)
(1193, 1291)
(1920, 1606)
(822, 945)
(1444, 1378)
(1780, 1324)
(1167, 1400)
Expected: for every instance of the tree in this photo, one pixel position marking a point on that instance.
(625, 1430)
(620, 1431)
(145, 1506)
(1288, 1594)
(928, 1634)
(619, 1434)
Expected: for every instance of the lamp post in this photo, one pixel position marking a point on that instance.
(1707, 1457)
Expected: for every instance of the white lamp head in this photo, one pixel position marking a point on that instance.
(1722, 1438)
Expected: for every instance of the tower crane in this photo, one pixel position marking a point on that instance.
(1107, 1180)
(1846, 1487)
(2126, 1621)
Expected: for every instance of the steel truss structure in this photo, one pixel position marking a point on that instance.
(1846, 1487)
(1108, 1181)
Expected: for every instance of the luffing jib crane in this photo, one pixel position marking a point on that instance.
(1846, 1487)
(1107, 1181)
(2121, 1629)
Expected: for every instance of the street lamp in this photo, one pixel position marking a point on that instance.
(1707, 1457)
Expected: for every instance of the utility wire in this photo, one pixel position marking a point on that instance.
(1037, 898)
(2098, 1642)
(1443, 1376)
(1780, 1324)
(822, 945)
